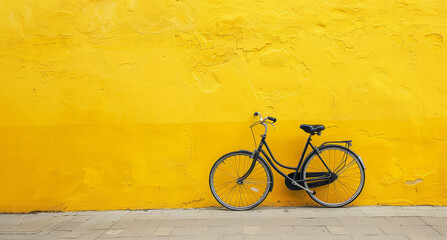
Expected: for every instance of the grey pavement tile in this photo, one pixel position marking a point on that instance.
(205, 237)
(438, 221)
(81, 218)
(441, 229)
(425, 237)
(380, 211)
(406, 221)
(251, 230)
(110, 220)
(112, 233)
(194, 215)
(146, 216)
(314, 230)
(91, 234)
(380, 237)
(18, 236)
(49, 228)
(266, 222)
(79, 230)
(363, 221)
(61, 218)
(363, 230)
(322, 221)
(336, 230)
(68, 226)
(418, 230)
(273, 230)
(197, 231)
(122, 238)
(257, 237)
(103, 225)
(25, 227)
(187, 223)
(53, 235)
(135, 232)
(163, 231)
(129, 224)
(287, 237)
(424, 212)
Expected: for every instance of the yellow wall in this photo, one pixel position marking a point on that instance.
(127, 104)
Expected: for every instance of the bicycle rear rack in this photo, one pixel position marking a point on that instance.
(347, 143)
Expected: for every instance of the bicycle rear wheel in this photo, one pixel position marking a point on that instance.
(239, 195)
(347, 183)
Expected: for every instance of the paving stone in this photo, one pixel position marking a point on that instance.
(441, 229)
(257, 237)
(79, 230)
(129, 224)
(322, 221)
(251, 230)
(363, 221)
(91, 234)
(406, 221)
(144, 216)
(425, 237)
(336, 230)
(437, 221)
(68, 226)
(370, 222)
(131, 232)
(53, 235)
(363, 230)
(163, 231)
(18, 236)
(112, 232)
(110, 220)
(273, 230)
(25, 227)
(379, 237)
(198, 231)
(314, 230)
(420, 230)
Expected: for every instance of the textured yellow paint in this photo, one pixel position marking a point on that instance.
(127, 104)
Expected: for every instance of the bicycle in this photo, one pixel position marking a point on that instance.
(241, 180)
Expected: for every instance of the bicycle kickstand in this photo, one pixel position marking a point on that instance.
(307, 190)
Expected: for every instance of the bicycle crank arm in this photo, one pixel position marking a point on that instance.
(307, 190)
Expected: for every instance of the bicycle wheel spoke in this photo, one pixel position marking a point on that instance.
(347, 182)
(248, 192)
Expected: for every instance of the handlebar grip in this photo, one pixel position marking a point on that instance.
(256, 114)
(271, 119)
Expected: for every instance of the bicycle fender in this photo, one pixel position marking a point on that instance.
(361, 161)
(268, 166)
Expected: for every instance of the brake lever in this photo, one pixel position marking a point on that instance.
(274, 128)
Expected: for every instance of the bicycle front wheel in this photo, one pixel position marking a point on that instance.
(239, 195)
(346, 182)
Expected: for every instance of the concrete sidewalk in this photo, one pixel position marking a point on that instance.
(378, 222)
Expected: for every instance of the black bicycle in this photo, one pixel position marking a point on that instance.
(241, 180)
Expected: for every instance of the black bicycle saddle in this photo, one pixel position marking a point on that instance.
(312, 128)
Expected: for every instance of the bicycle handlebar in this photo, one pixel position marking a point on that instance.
(262, 120)
(271, 119)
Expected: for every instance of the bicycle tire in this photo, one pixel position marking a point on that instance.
(236, 164)
(348, 168)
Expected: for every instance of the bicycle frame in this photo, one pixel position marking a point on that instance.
(295, 181)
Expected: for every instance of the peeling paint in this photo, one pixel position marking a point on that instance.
(416, 181)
